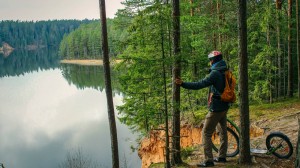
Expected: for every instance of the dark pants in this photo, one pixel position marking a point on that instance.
(211, 121)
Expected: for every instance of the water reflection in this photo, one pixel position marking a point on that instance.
(88, 77)
(20, 62)
(46, 114)
(5, 53)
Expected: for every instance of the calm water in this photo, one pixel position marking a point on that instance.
(49, 111)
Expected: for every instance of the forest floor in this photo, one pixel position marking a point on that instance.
(287, 124)
(282, 116)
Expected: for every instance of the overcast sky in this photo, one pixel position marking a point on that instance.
(55, 9)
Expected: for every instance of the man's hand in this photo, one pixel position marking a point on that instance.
(178, 81)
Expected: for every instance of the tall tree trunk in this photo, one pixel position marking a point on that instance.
(284, 77)
(279, 56)
(243, 86)
(214, 36)
(270, 71)
(166, 111)
(176, 157)
(290, 61)
(108, 88)
(221, 22)
(192, 10)
(298, 44)
(269, 78)
(196, 63)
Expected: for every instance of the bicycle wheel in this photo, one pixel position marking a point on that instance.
(233, 143)
(279, 145)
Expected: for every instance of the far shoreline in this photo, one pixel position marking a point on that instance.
(90, 62)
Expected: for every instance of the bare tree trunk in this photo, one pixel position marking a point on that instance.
(279, 59)
(270, 58)
(245, 157)
(108, 88)
(221, 22)
(176, 157)
(195, 64)
(214, 36)
(192, 10)
(290, 61)
(297, 161)
(279, 4)
(285, 70)
(298, 44)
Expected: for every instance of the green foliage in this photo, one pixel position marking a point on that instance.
(85, 42)
(22, 35)
(141, 35)
(201, 32)
(186, 152)
(143, 84)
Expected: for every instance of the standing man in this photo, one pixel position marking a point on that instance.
(217, 108)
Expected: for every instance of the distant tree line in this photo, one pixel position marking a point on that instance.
(33, 35)
(85, 42)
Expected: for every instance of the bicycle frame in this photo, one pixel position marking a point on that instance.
(234, 125)
(271, 150)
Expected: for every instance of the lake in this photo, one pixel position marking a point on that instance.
(50, 113)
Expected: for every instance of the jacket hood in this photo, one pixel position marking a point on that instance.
(221, 65)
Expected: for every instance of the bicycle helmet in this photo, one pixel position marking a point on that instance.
(214, 54)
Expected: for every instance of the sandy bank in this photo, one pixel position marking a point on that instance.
(87, 62)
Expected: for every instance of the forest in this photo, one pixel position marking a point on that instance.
(141, 35)
(32, 35)
(85, 42)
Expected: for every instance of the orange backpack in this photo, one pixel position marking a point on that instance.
(228, 94)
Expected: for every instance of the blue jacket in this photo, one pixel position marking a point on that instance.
(216, 81)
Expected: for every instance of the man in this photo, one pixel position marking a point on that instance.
(217, 108)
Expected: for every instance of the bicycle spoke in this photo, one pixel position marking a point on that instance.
(279, 145)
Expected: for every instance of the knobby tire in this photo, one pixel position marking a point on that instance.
(285, 149)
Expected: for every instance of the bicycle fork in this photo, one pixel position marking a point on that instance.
(273, 149)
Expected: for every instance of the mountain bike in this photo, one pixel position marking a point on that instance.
(277, 143)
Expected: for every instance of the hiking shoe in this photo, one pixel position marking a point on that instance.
(206, 164)
(219, 159)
